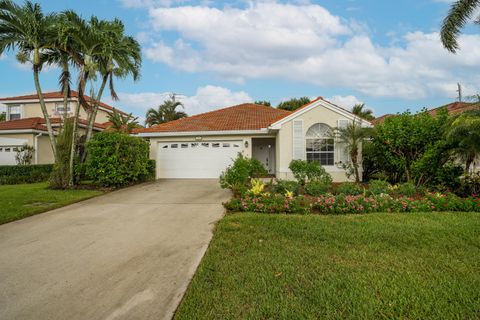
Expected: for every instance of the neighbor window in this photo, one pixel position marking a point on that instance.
(320, 144)
(14, 112)
(59, 108)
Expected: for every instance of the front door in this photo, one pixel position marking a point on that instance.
(264, 151)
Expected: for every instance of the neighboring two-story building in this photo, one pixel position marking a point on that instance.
(25, 124)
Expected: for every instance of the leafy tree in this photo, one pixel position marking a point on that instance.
(464, 133)
(165, 112)
(24, 155)
(3, 116)
(293, 104)
(461, 11)
(263, 102)
(27, 29)
(351, 137)
(122, 123)
(360, 110)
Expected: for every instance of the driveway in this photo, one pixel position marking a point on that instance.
(129, 254)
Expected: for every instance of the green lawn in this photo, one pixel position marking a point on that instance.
(375, 266)
(23, 200)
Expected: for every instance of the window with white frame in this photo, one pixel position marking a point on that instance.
(14, 112)
(60, 108)
(320, 145)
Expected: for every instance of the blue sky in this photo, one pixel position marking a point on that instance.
(218, 53)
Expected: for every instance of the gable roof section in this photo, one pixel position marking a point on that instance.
(38, 124)
(247, 116)
(320, 102)
(57, 95)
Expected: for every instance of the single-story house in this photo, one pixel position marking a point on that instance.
(203, 145)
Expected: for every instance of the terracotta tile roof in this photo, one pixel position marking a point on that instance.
(38, 123)
(55, 95)
(453, 108)
(247, 116)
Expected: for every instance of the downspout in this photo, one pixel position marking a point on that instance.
(35, 144)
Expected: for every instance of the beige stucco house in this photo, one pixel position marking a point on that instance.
(202, 146)
(25, 124)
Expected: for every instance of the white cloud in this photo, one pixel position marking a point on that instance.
(307, 43)
(206, 98)
(346, 102)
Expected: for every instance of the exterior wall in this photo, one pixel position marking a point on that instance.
(30, 110)
(285, 142)
(44, 150)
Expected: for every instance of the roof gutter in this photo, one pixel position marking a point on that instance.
(202, 133)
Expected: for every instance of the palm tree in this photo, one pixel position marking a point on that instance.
(464, 133)
(364, 113)
(165, 112)
(460, 13)
(29, 30)
(122, 123)
(351, 137)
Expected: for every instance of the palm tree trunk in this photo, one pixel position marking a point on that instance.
(51, 135)
(354, 156)
(93, 114)
(65, 93)
(81, 88)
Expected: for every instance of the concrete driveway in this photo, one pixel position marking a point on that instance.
(127, 255)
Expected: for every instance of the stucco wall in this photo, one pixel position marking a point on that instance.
(285, 142)
(30, 110)
(44, 150)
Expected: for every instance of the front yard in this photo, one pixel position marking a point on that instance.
(378, 265)
(23, 200)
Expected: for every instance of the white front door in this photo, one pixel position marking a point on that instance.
(186, 159)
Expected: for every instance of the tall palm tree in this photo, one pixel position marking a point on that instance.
(122, 123)
(120, 56)
(27, 29)
(165, 112)
(364, 113)
(464, 132)
(460, 13)
(351, 137)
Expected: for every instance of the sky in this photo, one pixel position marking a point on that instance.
(384, 53)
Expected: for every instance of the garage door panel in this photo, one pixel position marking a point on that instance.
(195, 160)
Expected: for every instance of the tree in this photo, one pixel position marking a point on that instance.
(364, 113)
(27, 29)
(24, 155)
(165, 112)
(293, 104)
(461, 11)
(351, 137)
(263, 102)
(122, 123)
(3, 116)
(464, 133)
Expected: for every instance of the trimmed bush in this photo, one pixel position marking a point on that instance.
(237, 176)
(305, 171)
(25, 174)
(284, 186)
(116, 159)
(349, 188)
(406, 189)
(379, 187)
(316, 188)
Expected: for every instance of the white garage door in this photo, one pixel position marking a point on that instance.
(206, 159)
(7, 155)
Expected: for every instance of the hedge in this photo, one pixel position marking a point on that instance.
(25, 174)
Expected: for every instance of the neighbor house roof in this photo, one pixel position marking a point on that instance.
(247, 116)
(57, 95)
(453, 108)
(38, 123)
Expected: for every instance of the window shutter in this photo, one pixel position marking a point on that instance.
(342, 152)
(298, 140)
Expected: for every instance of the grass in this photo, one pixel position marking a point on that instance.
(23, 200)
(375, 266)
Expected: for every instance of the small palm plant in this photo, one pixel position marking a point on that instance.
(165, 112)
(364, 113)
(122, 123)
(351, 137)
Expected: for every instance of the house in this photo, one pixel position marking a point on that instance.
(202, 146)
(25, 124)
(452, 108)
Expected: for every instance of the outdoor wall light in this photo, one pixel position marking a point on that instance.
(198, 138)
(246, 144)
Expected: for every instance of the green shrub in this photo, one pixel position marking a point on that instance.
(284, 186)
(304, 171)
(237, 176)
(349, 188)
(406, 189)
(316, 188)
(469, 185)
(378, 187)
(115, 159)
(25, 174)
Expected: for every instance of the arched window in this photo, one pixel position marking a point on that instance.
(320, 144)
